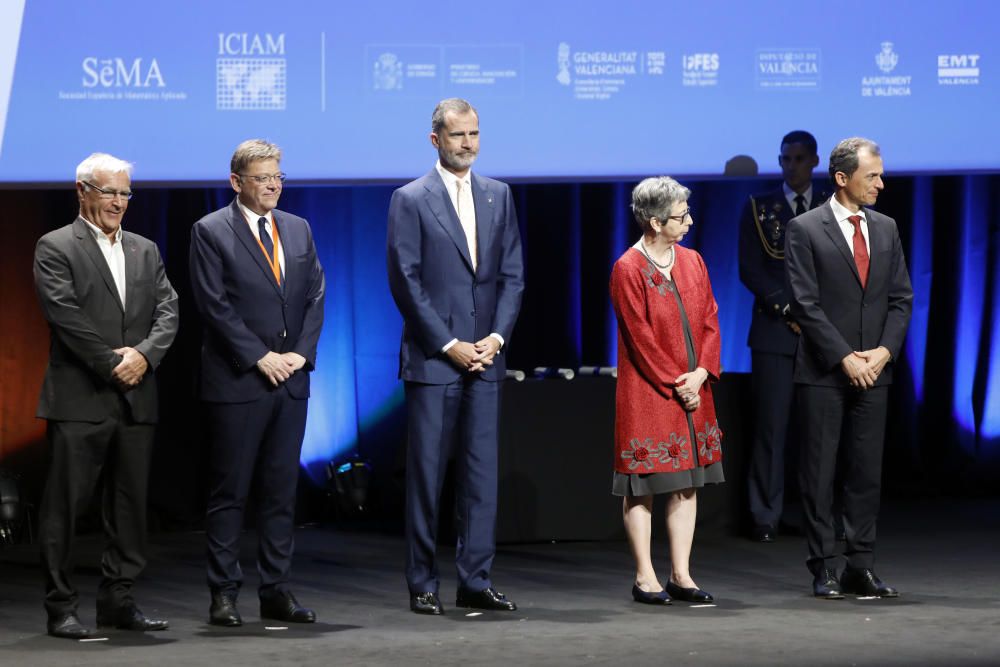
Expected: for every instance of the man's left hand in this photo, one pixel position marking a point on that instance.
(486, 349)
(295, 360)
(875, 359)
(132, 368)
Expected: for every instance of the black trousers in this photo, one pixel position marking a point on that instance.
(79, 452)
(833, 418)
(256, 441)
(773, 393)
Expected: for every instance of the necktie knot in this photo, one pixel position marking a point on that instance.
(800, 204)
(855, 220)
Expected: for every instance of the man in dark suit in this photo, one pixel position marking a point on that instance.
(259, 288)
(456, 274)
(851, 297)
(773, 335)
(113, 315)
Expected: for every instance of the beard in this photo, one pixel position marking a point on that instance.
(456, 160)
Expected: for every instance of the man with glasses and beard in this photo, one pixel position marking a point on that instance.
(456, 274)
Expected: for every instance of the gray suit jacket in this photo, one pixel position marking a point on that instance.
(87, 323)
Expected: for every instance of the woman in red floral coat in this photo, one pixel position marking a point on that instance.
(667, 437)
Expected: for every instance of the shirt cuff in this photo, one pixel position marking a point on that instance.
(448, 345)
(498, 337)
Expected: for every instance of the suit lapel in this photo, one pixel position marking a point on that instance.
(440, 204)
(832, 230)
(241, 229)
(485, 208)
(130, 251)
(86, 237)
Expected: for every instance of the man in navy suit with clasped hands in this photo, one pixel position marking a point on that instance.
(456, 274)
(259, 288)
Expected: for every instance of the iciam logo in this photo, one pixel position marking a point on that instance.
(246, 44)
(121, 73)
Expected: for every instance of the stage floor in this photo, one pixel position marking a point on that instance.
(574, 600)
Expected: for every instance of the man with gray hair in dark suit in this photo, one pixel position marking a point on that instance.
(113, 315)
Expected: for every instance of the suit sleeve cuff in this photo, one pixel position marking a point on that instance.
(498, 337)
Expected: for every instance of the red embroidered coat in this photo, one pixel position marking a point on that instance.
(651, 427)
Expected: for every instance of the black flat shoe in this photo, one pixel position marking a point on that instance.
(223, 610)
(826, 586)
(284, 607)
(645, 597)
(695, 595)
(128, 617)
(67, 626)
(763, 533)
(426, 603)
(865, 583)
(489, 598)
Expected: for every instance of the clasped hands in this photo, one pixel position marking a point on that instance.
(279, 367)
(687, 387)
(131, 369)
(474, 357)
(863, 368)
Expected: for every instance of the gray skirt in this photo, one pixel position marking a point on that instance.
(666, 482)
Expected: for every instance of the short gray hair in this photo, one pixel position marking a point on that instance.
(253, 150)
(452, 104)
(101, 162)
(844, 156)
(654, 198)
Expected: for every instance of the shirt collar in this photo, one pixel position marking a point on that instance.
(841, 213)
(252, 217)
(98, 234)
(451, 179)
(790, 194)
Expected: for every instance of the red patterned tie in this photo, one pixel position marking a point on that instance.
(860, 251)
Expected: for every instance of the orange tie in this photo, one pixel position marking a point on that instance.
(860, 251)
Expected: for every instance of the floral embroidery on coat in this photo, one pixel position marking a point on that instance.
(655, 279)
(710, 441)
(643, 454)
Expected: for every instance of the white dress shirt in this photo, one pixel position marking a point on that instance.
(790, 195)
(841, 214)
(252, 219)
(465, 208)
(113, 254)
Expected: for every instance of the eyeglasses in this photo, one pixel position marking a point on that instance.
(104, 193)
(682, 217)
(264, 179)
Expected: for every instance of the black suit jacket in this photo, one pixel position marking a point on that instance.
(762, 268)
(87, 322)
(836, 314)
(246, 313)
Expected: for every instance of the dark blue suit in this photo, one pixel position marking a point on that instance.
(772, 344)
(254, 426)
(441, 298)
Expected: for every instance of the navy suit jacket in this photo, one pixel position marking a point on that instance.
(762, 268)
(246, 313)
(836, 314)
(430, 274)
(88, 323)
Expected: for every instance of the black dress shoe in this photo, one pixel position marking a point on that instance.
(223, 610)
(426, 603)
(488, 598)
(695, 595)
(863, 582)
(826, 586)
(283, 606)
(67, 626)
(128, 617)
(763, 533)
(646, 597)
